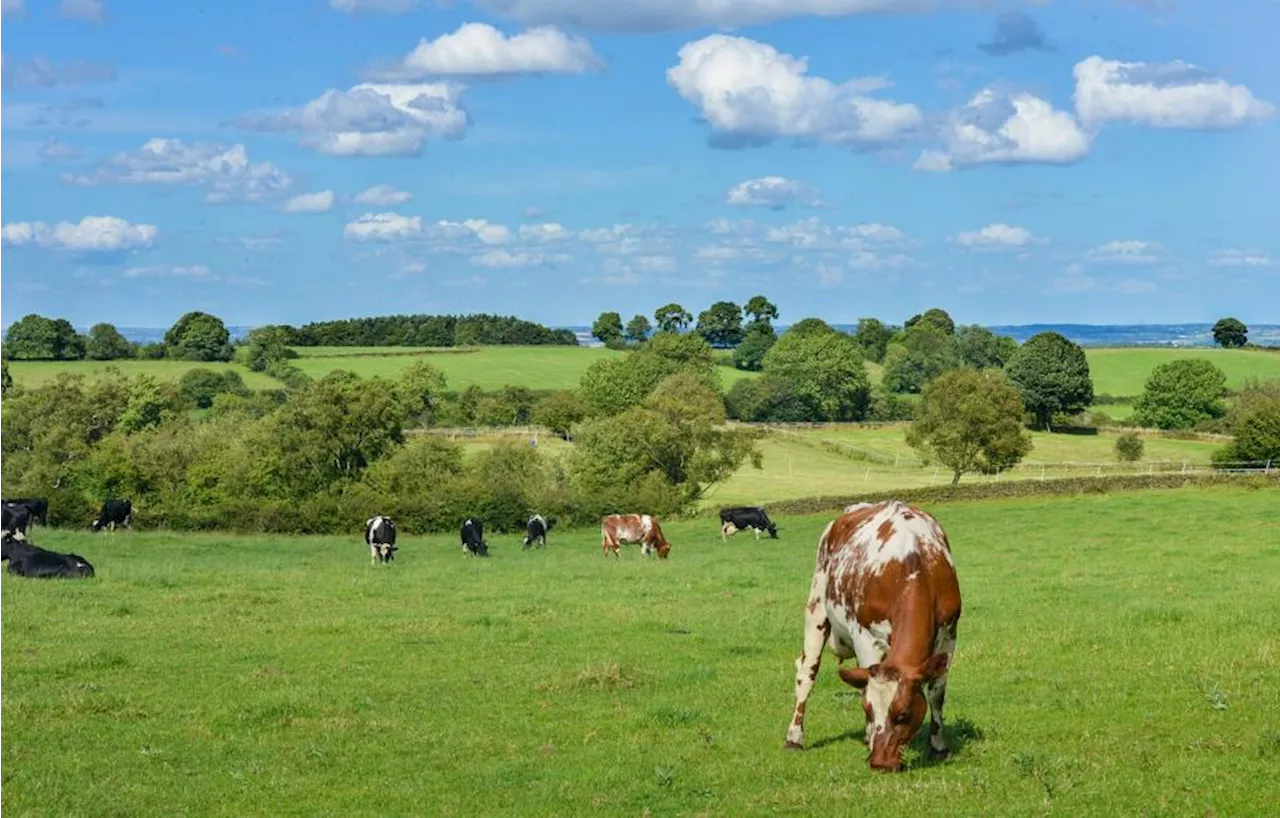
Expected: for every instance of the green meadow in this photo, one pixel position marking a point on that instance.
(1124, 372)
(36, 373)
(1119, 654)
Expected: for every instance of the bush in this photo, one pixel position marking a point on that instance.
(825, 368)
(1129, 447)
(1180, 394)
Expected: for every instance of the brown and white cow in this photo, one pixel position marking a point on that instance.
(617, 529)
(884, 591)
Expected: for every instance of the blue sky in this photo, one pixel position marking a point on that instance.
(1098, 161)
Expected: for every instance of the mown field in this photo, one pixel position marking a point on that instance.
(1125, 371)
(1118, 655)
(36, 373)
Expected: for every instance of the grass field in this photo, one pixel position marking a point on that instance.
(35, 373)
(798, 465)
(1118, 655)
(1125, 371)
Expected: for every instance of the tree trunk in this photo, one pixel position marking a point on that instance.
(955, 481)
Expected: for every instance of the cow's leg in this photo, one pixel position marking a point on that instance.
(757, 534)
(945, 642)
(816, 630)
(373, 554)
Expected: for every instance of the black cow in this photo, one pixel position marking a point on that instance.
(38, 506)
(537, 531)
(29, 560)
(114, 512)
(733, 520)
(380, 535)
(473, 544)
(16, 519)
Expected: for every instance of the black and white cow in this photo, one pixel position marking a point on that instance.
(29, 560)
(16, 518)
(114, 512)
(37, 506)
(733, 520)
(473, 544)
(536, 533)
(380, 536)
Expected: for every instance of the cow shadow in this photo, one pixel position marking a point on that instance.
(960, 733)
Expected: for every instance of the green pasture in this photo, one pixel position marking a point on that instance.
(843, 461)
(32, 374)
(1119, 654)
(1125, 371)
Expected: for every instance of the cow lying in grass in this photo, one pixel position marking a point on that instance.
(29, 560)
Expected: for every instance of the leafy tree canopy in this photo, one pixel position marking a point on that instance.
(980, 348)
(923, 353)
(1052, 374)
(873, 337)
(760, 310)
(826, 368)
(672, 318)
(638, 329)
(749, 355)
(935, 317)
(36, 338)
(1230, 332)
(198, 336)
(608, 329)
(105, 343)
(970, 421)
(721, 324)
(1180, 394)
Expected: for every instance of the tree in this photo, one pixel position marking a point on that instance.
(198, 336)
(1180, 394)
(1129, 447)
(768, 399)
(873, 338)
(980, 348)
(760, 310)
(672, 318)
(721, 324)
(936, 318)
(559, 411)
(1052, 374)
(923, 353)
(1230, 332)
(638, 329)
(6, 380)
(1257, 435)
(608, 329)
(616, 384)
(198, 387)
(970, 421)
(35, 337)
(265, 346)
(826, 369)
(749, 355)
(421, 387)
(105, 343)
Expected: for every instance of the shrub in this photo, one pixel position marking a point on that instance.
(1129, 447)
(1180, 394)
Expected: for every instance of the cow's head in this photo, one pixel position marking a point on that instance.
(386, 552)
(893, 701)
(78, 566)
(773, 531)
(664, 548)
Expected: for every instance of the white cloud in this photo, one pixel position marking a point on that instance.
(547, 231)
(997, 235)
(310, 203)
(486, 231)
(1008, 128)
(479, 49)
(814, 234)
(160, 271)
(93, 234)
(671, 15)
(86, 11)
(751, 93)
(870, 260)
(773, 192)
(1162, 95)
(224, 172)
(383, 227)
(382, 6)
(382, 196)
(1130, 251)
(1232, 257)
(370, 119)
(501, 258)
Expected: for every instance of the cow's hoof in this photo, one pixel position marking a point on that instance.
(791, 745)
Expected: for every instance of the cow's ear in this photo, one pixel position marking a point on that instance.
(858, 676)
(933, 667)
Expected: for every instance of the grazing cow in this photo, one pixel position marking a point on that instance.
(16, 519)
(537, 531)
(114, 512)
(473, 544)
(37, 506)
(29, 560)
(380, 536)
(733, 520)
(617, 529)
(884, 591)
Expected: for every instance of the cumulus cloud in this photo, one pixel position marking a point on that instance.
(383, 227)
(672, 15)
(86, 11)
(41, 72)
(370, 119)
(773, 192)
(93, 234)
(225, 173)
(1127, 251)
(479, 49)
(751, 94)
(501, 258)
(382, 196)
(162, 271)
(997, 235)
(1006, 128)
(483, 230)
(310, 202)
(1232, 257)
(545, 232)
(1015, 31)
(814, 234)
(1162, 95)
